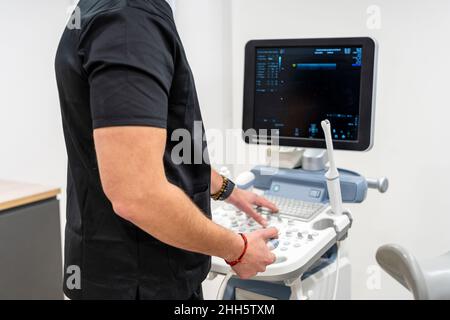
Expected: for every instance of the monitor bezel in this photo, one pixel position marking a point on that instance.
(367, 95)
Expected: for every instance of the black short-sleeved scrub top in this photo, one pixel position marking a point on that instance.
(125, 66)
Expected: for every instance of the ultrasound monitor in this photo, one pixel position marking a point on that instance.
(292, 85)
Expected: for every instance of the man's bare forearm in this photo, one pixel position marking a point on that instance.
(133, 178)
(173, 218)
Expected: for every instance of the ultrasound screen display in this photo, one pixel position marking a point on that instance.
(298, 87)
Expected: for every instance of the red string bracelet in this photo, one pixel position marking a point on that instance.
(235, 262)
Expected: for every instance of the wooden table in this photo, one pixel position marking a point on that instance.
(15, 194)
(30, 242)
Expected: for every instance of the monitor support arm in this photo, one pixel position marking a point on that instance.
(293, 158)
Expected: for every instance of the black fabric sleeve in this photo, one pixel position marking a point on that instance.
(127, 56)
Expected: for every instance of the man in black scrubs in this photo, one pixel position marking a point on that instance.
(138, 224)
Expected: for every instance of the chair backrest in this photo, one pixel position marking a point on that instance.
(403, 267)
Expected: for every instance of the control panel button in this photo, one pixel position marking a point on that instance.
(273, 244)
(314, 193)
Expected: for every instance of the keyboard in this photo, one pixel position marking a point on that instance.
(302, 210)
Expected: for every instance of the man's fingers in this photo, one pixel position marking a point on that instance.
(273, 257)
(259, 218)
(269, 233)
(263, 202)
(256, 216)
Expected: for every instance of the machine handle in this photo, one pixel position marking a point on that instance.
(381, 184)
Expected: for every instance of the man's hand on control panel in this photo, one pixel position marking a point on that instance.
(246, 201)
(253, 255)
(258, 255)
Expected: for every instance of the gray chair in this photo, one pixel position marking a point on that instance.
(427, 279)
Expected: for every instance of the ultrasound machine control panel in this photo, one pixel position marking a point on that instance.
(307, 227)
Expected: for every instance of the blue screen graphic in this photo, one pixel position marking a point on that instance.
(298, 87)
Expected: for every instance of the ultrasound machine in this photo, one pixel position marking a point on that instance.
(308, 95)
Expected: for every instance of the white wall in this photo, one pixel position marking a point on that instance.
(204, 27)
(31, 139)
(411, 119)
(30, 126)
